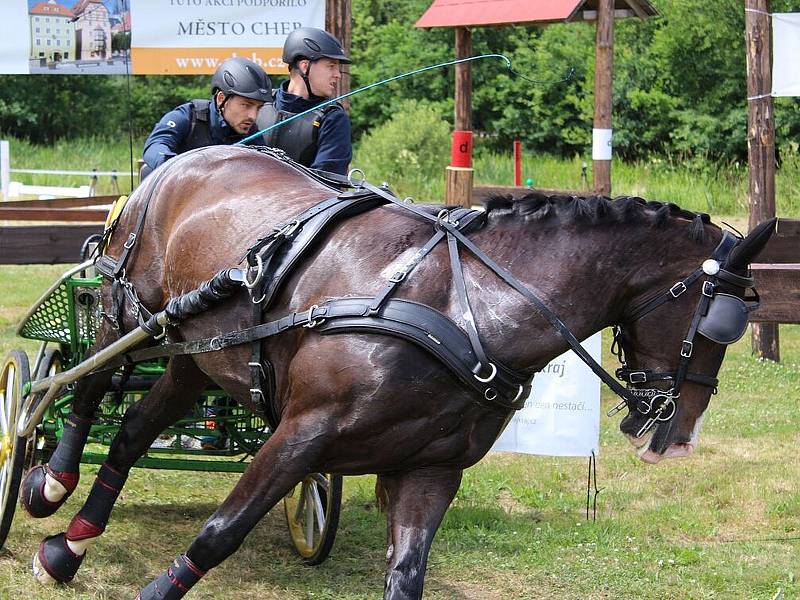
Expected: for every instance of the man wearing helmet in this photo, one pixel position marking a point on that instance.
(239, 88)
(320, 139)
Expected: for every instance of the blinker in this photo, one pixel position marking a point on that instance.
(726, 319)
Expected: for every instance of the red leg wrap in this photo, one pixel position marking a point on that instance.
(81, 529)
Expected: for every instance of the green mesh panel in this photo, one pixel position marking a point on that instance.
(50, 322)
(69, 315)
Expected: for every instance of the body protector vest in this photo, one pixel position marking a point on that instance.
(298, 138)
(200, 131)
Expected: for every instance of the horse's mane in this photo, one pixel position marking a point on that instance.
(594, 210)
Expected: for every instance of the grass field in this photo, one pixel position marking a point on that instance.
(723, 524)
(700, 186)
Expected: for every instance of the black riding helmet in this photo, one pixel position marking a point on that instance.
(313, 44)
(241, 77)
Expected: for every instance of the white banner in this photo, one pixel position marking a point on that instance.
(786, 54)
(14, 40)
(562, 414)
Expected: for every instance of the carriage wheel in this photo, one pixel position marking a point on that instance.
(312, 513)
(14, 376)
(40, 446)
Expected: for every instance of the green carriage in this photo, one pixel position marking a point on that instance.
(217, 435)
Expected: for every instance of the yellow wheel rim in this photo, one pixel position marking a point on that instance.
(9, 401)
(306, 513)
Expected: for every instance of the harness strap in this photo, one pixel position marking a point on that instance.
(551, 317)
(671, 294)
(720, 255)
(466, 311)
(463, 218)
(636, 376)
(409, 320)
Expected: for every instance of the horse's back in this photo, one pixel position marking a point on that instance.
(207, 207)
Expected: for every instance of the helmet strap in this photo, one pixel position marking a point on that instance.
(221, 107)
(225, 96)
(304, 75)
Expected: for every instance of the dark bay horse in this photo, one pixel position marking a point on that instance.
(354, 402)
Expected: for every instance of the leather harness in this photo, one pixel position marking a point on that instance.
(272, 258)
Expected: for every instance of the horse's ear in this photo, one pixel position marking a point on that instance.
(749, 248)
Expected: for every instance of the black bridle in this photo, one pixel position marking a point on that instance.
(718, 316)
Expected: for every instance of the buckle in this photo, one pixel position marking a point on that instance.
(637, 377)
(290, 228)
(677, 289)
(257, 365)
(708, 289)
(398, 277)
(686, 348)
(131, 241)
(312, 322)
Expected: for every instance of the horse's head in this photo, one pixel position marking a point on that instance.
(673, 340)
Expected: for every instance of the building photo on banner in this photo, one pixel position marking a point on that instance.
(147, 37)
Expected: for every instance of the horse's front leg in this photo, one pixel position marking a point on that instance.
(416, 502)
(46, 487)
(60, 555)
(290, 453)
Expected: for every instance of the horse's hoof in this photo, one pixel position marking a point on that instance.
(55, 562)
(34, 493)
(39, 573)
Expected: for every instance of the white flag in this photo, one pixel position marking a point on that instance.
(786, 54)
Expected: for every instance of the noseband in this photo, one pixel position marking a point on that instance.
(720, 317)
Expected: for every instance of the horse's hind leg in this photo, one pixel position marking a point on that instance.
(417, 501)
(281, 463)
(59, 556)
(46, 487)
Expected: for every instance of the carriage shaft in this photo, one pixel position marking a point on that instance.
(31, 417)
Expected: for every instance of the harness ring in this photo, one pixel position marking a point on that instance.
(259, 265)
(490, 377)
(356, 183)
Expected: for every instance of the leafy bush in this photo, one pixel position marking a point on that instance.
(410, 150)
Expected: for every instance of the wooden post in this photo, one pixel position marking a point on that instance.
(338, 22)
(603, 75)
(760, 144)
(458, 180)
(463, 95)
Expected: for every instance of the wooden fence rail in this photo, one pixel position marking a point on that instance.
(44, 244)
(55, 242)
(777, 276)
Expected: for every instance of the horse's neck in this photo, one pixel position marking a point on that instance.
(583, 277)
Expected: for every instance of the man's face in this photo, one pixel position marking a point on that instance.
(240, 113)
(323, 76)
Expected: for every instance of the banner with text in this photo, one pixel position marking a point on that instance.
(148, 37)
(786, 54)
(562, 414)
